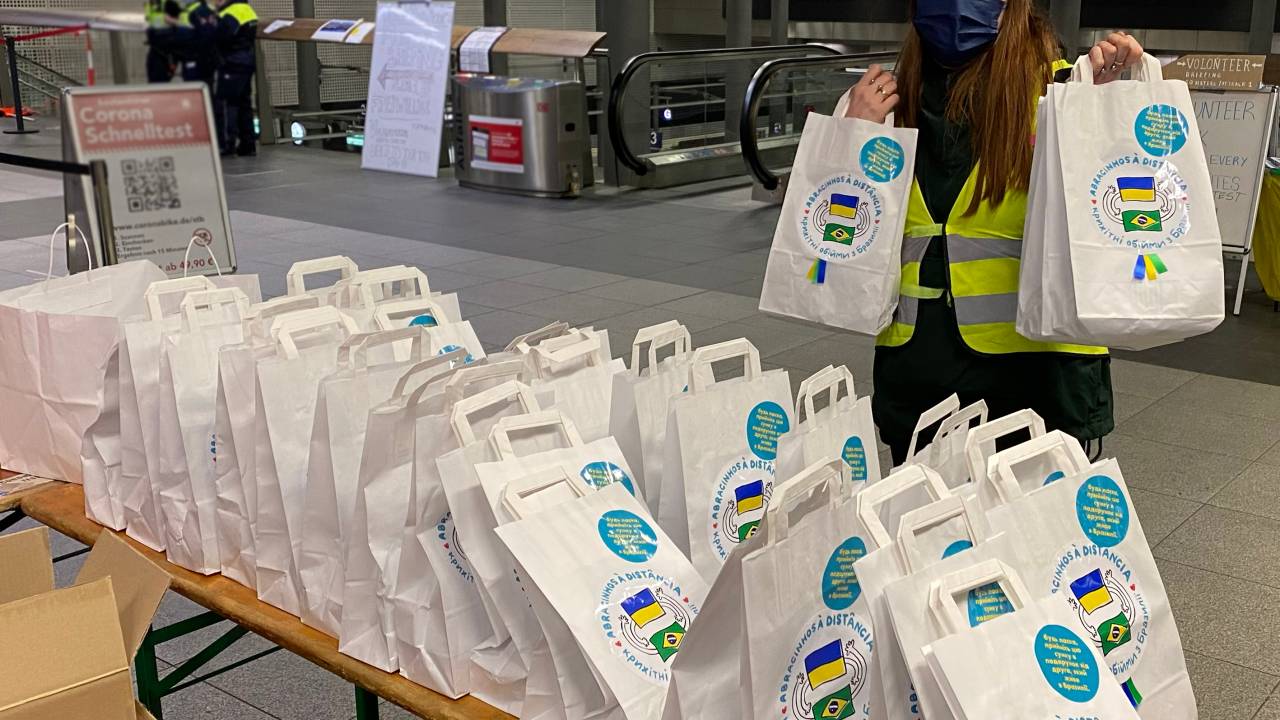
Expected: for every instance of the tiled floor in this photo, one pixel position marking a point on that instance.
(1197, 434)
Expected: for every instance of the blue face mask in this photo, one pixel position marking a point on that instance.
(955, 31)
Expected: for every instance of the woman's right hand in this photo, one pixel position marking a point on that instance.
(874, 97)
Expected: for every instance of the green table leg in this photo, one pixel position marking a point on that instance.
(366, 704)
(144, 668)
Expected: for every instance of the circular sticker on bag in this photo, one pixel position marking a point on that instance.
(765, 423)
(1101, 587)
(450, 348)
(956, 547)
(840, 588)
(447, 536)
(424, 320)
(882, 159)
(1161, 130)
(854, 455)
(601, 473)
(739, 499)
(987, 603)
(1141, 204)
(841, 217)
(828, 670)
(644, 617)
(1066, 663)
(1102, 511)
(628, 535)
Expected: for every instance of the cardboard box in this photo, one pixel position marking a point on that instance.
(74, 645)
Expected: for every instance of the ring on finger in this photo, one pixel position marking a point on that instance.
(880, 89)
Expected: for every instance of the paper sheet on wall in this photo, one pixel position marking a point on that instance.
(359, 33)
(473, 54)
(276, 26)
(410, 66)
(334, 30)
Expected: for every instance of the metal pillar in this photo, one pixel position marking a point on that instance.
(1262, 26)
(779, 20)
(6, 90)
(1066, 20)
(628, 24)
(737, 16)
(16, 88)
(495, 15)
(119, 66)
(308, 62)
(267, 134)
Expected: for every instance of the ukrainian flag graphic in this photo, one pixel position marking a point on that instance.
(1136, 189)
(643, 607)
(845, 206)
(749, 497)
(824, 664)
(1091, 591)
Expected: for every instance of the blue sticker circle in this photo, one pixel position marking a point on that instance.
(958, 546)
(600, 474)
(1066, 663)
(1054, 477)
(450, 348)
(882, 159)
(855, 456)
(424, 320)
(1102, 511)
(987, 603)
(628, 535)
(840, 587)
(1161, 130)
(765, 423)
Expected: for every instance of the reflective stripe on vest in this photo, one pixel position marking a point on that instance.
(242, 12)
(983, 251)
(184, 17)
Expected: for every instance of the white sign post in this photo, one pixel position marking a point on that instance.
(163, 171)
(405, 112)
(1235, 128)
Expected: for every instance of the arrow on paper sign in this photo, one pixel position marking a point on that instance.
(389, 73)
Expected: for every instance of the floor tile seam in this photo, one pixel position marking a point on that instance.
(1171, 533)
(220, 690)
(1237, 476)
(1132, 436)
(1274, 677)
(1274, 694)
(1155, 553)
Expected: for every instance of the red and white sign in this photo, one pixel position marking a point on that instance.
(163, 171)
(497, 143)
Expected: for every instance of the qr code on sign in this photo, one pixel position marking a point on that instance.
(151, 184)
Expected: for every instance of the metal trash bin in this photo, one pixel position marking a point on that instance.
(521, 135)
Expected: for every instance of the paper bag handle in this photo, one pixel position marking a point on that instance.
(176, 286)
(904, 480)
(436, 368)
(296, 279)
(359, 290)
(194, 302)
(500, 436)
(931, 417)
(915, 522)
(964, 419)
(459, 384)
(667, 334)
(1064, 448)
(521, 343)
(943, 591)
(704, 357)
(827, 476)
(385, 313)
(282, 305)
(518, 496)
(307, 320)
(1148, 70)
(564, 349)
(355, 349)
(981, 442)
(826, 380)
(460, 416)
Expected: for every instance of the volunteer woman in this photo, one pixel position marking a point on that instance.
(968, 78)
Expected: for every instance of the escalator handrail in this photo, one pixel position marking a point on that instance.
(755, 92)
(617, 90)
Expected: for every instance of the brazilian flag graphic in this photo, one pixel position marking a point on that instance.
(836, 233)
(836, 706)
(667, 640)
(747, 530)
(1114, 633)
(1141, 220)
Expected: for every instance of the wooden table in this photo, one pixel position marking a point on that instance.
(61, 507)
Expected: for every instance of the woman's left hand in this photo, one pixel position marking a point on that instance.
(1112, 56)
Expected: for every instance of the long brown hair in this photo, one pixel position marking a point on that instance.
(994, 94)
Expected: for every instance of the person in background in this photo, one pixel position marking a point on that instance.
(160, 15)
(233, 85)
(190, 38)
(968, 77)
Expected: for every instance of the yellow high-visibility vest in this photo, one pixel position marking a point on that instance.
(984, 250)
(242, 12)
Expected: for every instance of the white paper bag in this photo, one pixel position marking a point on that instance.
(60, 335)
(337, 446)
(444, 334)
(437, 610)
(575, 368)
(296, 279)
(619, 583)
(842, 429)
(722, 439)
(836, 257)
(980, 446)
(234, 442)
(1046, 668)
(945, 454)
(184, 480)
(1092, 549)
(367, 290)
(1030, 466)
(306, 350)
